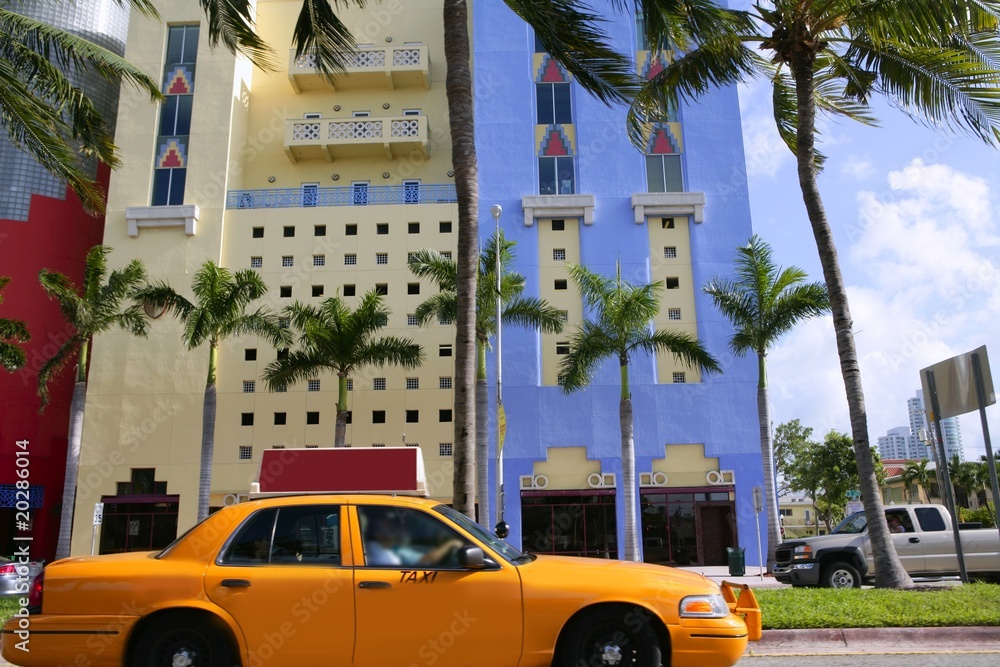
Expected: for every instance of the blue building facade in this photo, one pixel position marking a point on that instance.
(574, 190)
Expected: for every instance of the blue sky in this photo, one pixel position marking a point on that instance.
(914, 214)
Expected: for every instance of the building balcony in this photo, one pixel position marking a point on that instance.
(351, 195)
(390, 67)
(335, 138)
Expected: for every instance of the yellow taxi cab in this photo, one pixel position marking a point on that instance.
(370, 581)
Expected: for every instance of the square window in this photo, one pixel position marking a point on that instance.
(562, 347)
(285, 291)
(558, 225)
(564, 315)
(350, 230)
(444, 383)
(288, 231)
(444, 227)
(281, 389)
(249, 386)
(250, 354)
(413, 383)
(284, 322)
(444, 350)
(669, 252)
(672, 283)
(411, 257)
(246, 419)
(287, 260)
(319, 260)
(280, 418)
(378, 384)
(382, 228)
(560, 284)
(350, 259)
(444, 449)
(319, 230)
(446, 254)
(378, 416)
(381, 258)
(413, 416)
(559, 254)
(444, 320)
(312, 418)
(257, 232)
(256, 262)
(382, 288)
(246, 453)
(350, 290)
(412, 321)
(679, 378)
(313, 385)
(318, 290)
(444, 416)
(282, 353)
(673, 313)
(561, 379)
(413, 228)
(667, 223)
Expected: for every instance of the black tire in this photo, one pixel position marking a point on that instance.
(610, 636)
(841, 575)
(192, 639)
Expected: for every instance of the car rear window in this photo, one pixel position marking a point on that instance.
(929, 519)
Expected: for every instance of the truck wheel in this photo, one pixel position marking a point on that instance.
(182, 640)
(841, 575)
(610, 636)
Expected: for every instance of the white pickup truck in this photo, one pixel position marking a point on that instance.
(924, 543)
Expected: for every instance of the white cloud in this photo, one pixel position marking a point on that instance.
(857, 168)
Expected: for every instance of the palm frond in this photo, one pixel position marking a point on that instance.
(161, 296)
(533, 313)
(54, 364)
(431, 264)
(684, 348)
(588, 347)
(440, 306)
(320, 31)
(231, 22)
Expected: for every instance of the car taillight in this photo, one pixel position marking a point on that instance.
(8, 569)
(35, 594)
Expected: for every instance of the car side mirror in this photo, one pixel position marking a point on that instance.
(471, 558)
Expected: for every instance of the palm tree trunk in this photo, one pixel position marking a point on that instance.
(889, 572)
(340, 429)
(482, 437)
(207, 435)
(463, 145)
(72, 461)
(767, 463)
(626, 423)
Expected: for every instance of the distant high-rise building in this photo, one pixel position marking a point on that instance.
(896, 444)
(951, 430)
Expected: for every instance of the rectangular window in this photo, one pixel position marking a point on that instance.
(446, 254)
(667, 223)
(350, 290)
(413, 288)
(444, 227)
(281, 389)
(444, 449)
(562, 347)
(444, 350)
(310, 194)
(553, 103)
(378, 384)
(378, 416)
(250, 354)
(444, 320)
(287, 260)
(249, 386)
(284, 322)
(672, 282)
(413, 416)
(246, 419)
(382, 288)
(411, 112)
(313, 385)
(350, 260)
(378, 444)
(317, 290)
(444, 383)
(280, 418)
(319, 260)
(350, 384)
(413, 383)
(312, 418)
(381, 258)
(359, 190)
(558, 225)
(319, 230)
(256, 262)
(258, 232)
(173, 140)
(288, 231)
(559, 254)
(444, 416)
(412, 321)
(564, 315)
(382, 228)
(561, 379)
(556, 176)
(679, 378)
(246, 453)
(669, 252)
(413, 228)
(663, 173)
(560, 284)
(411, 192)
(285, 291)
(673, 313)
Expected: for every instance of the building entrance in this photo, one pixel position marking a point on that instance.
(687, 526)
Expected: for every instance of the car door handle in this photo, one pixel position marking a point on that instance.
(374, 584)
(914, 540)
(235, 583)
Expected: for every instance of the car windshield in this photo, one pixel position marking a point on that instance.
(856, 523)
(490, 540)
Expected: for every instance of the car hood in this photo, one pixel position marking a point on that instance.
(600, 576)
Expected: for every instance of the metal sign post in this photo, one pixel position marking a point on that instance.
(758, 507)
(977, 372)
(98, 518)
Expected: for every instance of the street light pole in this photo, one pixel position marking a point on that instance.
(496, 210)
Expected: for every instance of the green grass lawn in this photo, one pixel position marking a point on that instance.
(8, 606)
(799, 608)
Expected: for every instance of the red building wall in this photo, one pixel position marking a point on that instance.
(56, 236)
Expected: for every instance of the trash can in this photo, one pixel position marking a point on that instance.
(737, 561)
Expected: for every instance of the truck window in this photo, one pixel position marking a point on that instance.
(929, 519)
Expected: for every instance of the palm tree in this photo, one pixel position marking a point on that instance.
(219, 311)
(518, 310)
(965, 479)
(764, 302)
(622, 325)
(335, 338)
(933, 60)
(570, 32)
(916, 472)
(44, 113)
(12, 332)
(94, 308)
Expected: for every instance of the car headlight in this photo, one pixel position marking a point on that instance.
(802, 552)
(704, 606)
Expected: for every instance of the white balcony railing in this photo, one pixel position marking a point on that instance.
(369, 67)
(333, 138)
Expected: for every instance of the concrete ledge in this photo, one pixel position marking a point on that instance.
(877, 641)
(185, 217)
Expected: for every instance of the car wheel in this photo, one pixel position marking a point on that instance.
(611, 637)
(841, 575)
(183, 640)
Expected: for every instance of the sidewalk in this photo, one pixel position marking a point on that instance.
(751, 577)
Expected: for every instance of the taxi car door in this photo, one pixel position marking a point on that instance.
(415, 605)
(281, 577)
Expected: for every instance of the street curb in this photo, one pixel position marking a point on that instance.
(878, 640)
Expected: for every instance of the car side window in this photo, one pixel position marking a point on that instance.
(929, 519)
(398, 537)
(308, 535)
(252, 544)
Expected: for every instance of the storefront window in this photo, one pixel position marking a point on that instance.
(572, 523)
